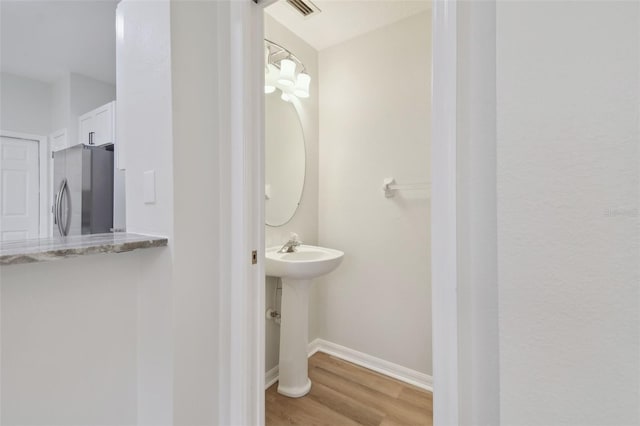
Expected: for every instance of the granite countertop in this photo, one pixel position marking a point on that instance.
(46, 249)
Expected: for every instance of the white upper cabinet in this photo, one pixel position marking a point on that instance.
(98, 127)
(58, 140)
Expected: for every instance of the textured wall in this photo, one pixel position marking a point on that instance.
(568, 223)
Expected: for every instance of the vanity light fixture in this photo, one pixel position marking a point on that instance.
(301, 89)
(284, 71)
(270, 77)
(287, 72)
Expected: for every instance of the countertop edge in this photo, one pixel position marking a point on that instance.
(131, 242)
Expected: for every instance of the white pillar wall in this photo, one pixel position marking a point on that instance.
(567, 194)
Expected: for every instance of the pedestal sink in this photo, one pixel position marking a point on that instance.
(296, 270)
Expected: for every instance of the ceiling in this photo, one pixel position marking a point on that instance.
(341, 20)
(44, 40)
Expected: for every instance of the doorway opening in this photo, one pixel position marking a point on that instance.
(362, 118)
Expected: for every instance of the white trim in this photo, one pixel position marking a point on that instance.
(379, 365)
(444, 258)
(44, 154)
(271, 377)
(242, 288)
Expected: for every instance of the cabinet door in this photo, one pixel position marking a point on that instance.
(58, 140)
(85, 127)
(103, 125)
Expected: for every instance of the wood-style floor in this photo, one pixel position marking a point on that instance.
(344, 394)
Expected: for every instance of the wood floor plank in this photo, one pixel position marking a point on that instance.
(358, 374)
(401, 410)
(344, 394)
(417, 397)
(282, 410)
(348, 407)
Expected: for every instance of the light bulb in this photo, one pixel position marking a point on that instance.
(301, 89)
(285, 97)
(270, 78)
(287, 71)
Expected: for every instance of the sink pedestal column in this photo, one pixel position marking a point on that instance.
(294, 338)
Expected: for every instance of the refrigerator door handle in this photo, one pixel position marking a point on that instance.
(58, 207)
(65, 224)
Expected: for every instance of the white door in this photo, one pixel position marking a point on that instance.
(20, 186)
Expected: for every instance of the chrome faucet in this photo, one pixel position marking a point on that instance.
(290, 246)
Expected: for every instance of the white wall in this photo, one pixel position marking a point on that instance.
(25, 105)
(197, 159)
(68, 341)
(568, 224)
(305, 220)
(144, 117)
(375, 123)
(61, 103)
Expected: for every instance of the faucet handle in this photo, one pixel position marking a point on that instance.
(294, 237)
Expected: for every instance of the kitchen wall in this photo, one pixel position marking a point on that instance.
(25, 105)
(375, 123)
(305, 220)
(568, 222)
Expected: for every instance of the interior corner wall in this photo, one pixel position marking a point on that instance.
(305, 220)
(25, 105)
(375, 123)
(568, 202)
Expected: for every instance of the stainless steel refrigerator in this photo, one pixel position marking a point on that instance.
(83, 190)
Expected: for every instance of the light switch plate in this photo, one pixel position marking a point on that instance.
(149, 187)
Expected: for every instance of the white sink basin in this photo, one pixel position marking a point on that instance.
(305, 263)
(296, 271)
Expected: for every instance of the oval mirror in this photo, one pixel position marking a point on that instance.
(284, 160)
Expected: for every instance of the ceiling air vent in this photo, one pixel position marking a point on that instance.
(306, 8)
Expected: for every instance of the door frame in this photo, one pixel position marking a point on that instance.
(245, 300)
(43, 170)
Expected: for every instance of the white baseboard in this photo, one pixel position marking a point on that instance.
(404, 374)
(271, 377)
